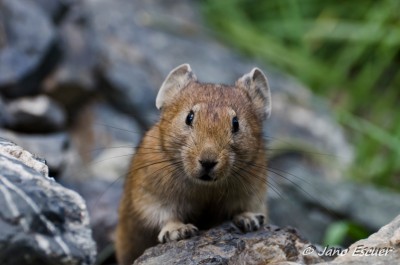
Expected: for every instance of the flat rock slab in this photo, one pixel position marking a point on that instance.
(41, 222)
(228, 245)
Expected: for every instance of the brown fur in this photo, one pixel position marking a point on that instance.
(163, 192)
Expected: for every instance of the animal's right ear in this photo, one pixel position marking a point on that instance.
(176, 80)
(256, 85)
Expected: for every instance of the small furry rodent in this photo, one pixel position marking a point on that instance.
(203, 163)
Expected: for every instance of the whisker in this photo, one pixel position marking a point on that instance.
(301, 151)
(105, 191)
(130, 172)
(293, 175)
(117, 128)
(147, 135)
(114, 157)
(264, 167)
(275, 188)
(248, 180)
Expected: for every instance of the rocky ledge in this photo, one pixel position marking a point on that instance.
(271, 245)
(228, 245)
(41, 222)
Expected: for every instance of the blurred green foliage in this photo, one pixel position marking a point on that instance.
(340, 231)
(347, 51)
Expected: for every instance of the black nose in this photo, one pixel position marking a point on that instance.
(207, 165)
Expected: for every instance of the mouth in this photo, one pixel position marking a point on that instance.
(206, 177)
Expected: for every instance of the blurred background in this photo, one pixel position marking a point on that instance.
(347, 52)
(78, 81)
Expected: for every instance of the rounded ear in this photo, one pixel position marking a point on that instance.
(256, 85)
(176, 80)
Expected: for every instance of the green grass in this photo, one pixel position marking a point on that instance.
(340, 231)
(346, 51)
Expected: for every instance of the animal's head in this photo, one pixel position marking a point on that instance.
(210, 130)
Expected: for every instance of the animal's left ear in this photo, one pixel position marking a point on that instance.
(256, 85)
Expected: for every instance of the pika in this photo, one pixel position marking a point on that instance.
(202, 163)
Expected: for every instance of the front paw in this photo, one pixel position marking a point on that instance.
(176, 231)
(248, 221)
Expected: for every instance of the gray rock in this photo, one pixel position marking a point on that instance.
(41, 221)
(72, 82)
(102, 146)
(55, 9)
(53, 147)
(227, 245)
(290, 181)
(321, 202)
(302, 123)
(28, 48)
(106, 140)
(2, 112)
(38, 114)
(25, 157)
(127, 77)
(372, 207)
(102, 198)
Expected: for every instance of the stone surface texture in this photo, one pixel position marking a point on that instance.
(271, 245)
(41, 222)
(228, 245)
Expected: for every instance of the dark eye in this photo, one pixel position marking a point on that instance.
(235, 125)
(189, 118)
